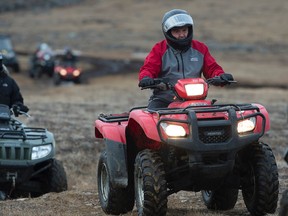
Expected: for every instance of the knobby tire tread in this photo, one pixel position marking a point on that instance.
(155, 186)
(265, 196)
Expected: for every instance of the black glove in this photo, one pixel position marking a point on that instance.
(227, 78)
(221, 80)
(146, 81)
(16, 109)
(24, 108)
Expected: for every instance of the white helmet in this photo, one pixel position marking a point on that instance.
(177, 18)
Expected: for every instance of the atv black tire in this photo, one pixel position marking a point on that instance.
(260, 183)
(220, 199)
(150, 184)
(112, 200)
(56, 79)
(36, 72)
(78, 80)
(57, 177)
(283, 209)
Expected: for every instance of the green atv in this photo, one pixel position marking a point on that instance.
(27, 159)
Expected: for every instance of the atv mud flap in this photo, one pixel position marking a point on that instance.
(117, 163)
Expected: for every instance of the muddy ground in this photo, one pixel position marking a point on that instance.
(248, 40)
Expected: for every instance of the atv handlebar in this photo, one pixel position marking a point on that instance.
(164, 84)
(19, 112)
(159, 83)
(218, 81)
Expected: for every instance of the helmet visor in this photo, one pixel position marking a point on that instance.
(177, 20)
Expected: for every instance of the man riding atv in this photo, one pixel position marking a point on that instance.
(10, 94)
(177, 57)
(28, 166)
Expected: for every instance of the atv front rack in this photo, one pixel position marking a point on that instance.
(204, 108)
(206, 126)
(27, 133)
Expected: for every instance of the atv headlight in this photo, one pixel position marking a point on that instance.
(41, 151)
(63, 72)
(173, 130)
(194, 89)
(246, 125)
(76, 73)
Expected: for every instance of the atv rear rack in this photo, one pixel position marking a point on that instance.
(118, 117)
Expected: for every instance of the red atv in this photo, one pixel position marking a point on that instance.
(193, 145)
(67, 71)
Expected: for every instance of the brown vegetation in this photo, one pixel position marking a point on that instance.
(248, 40)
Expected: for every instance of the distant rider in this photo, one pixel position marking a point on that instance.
(10, 94)
(68, 55)
(177, 57)
(41, 50)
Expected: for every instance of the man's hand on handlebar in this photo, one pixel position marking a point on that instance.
(19, 108)
(156, 83)
(146, 81)
(223, 79)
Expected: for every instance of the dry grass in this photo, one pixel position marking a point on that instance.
(106, 28)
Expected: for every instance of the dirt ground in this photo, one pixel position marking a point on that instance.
(249, 40)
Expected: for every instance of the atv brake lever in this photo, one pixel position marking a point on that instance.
(24, 113)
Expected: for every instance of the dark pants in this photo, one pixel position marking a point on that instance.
(157, 103)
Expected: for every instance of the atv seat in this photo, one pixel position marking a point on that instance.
(4, 113)
(5, 116)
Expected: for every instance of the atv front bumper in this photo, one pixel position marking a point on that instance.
(19, 173)
(212, 143)
(212, 134)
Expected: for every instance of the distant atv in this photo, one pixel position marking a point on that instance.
(193, 145)
(67, 71)
(42, 64)
(27, 159)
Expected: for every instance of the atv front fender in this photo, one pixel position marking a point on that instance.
(147, 122)
(262, 110)
(114, 138)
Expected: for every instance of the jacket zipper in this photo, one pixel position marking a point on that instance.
(183, 72)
